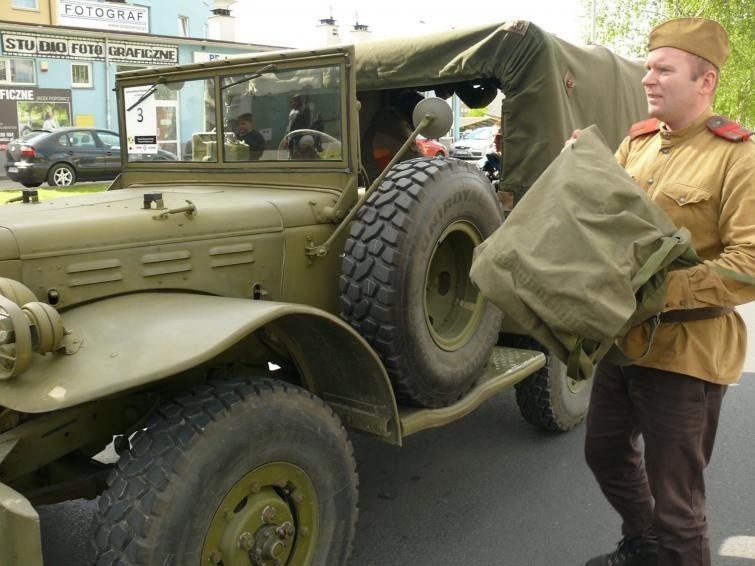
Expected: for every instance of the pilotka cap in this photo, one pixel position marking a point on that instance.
(699, 36)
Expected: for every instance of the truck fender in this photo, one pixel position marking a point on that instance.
(134, 340)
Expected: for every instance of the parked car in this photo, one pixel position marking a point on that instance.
(431, 148)
(474, 145)
(64, 156)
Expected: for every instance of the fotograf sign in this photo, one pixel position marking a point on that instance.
(100, 15)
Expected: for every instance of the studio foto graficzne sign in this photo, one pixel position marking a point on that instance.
(62, 47)
(99, 15)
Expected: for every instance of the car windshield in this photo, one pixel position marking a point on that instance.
(265, 115)
(479, 134)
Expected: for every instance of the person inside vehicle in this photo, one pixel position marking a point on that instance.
(492, 165)
(299, 118)
(389, 128)
(306, 148)
(248, 135)
(700, 169)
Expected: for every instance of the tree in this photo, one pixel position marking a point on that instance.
(624, 25)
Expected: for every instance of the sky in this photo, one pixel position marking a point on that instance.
(293, 23)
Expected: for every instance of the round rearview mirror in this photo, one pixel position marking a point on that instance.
(441, 113)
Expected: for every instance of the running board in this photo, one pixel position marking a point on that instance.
(507, 366)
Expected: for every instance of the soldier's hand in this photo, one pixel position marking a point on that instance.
(574, 137)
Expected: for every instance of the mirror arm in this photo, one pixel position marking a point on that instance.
(322, 249)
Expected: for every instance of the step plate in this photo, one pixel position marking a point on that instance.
(507, 366)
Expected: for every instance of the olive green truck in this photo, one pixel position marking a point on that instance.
(217, 321)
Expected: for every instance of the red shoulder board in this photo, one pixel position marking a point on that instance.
(725, 128)
(645, 127)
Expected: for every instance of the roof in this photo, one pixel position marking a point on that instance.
(551, 87)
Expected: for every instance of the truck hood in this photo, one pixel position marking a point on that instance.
(69, 251)
(118, 218)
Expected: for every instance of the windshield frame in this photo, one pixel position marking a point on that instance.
(279, 61)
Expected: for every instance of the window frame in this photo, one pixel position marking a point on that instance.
(7, 62)
(88, 66)
(34, 8)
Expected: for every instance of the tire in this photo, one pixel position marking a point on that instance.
(405, 283)
(233, 469)
(61, 175)
(440, 154)
(549, 399)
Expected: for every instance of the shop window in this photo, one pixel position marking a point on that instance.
(25, 4)
(17, 71)
(183, 26)
(81, 75)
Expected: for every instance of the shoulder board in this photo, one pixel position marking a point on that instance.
(727, 129)
(645, 127)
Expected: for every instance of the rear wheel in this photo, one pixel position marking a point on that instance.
(550, 399)
(235, 472)
(61, 175)
(405, 278)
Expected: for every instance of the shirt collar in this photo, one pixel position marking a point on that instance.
(670, 137)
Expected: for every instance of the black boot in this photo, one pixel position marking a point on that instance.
(638, 551)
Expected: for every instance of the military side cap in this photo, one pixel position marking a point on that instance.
(699, 36)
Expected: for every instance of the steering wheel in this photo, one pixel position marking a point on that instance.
(303, 132)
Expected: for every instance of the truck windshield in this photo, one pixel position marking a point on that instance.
(264, 116)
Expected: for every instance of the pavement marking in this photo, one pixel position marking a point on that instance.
(738, 547)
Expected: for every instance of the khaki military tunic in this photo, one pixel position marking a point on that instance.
(706, 184)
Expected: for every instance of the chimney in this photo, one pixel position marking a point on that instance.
(360, 32)
(221, 24)
(329, 33)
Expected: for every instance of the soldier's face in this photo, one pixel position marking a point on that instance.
(672, 96)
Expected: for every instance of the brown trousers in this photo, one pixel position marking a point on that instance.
(677, 417)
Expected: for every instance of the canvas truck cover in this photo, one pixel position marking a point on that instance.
(551, 87)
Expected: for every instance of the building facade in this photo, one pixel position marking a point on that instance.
(58, 58)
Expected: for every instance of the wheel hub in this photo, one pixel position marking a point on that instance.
(453, 306)
(268, 518)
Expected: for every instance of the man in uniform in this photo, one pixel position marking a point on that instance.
(700, 169)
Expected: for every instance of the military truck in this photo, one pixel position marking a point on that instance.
(219, 321)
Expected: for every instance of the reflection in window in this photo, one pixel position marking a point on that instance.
(282, 116)
(17, 71)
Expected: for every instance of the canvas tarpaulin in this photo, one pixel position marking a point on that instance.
(551, 87)
(582, 257)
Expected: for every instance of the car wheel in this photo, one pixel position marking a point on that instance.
(440, 154)
(61, 175)
(405, 283)
(238, 471)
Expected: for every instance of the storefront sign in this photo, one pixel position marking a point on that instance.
(61, 47)
(24, 109)
(98, 15)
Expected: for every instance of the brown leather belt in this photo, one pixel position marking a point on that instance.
(687, 315)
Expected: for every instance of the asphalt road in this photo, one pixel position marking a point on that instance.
(492, 490)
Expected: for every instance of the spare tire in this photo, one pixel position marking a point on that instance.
(405, 278)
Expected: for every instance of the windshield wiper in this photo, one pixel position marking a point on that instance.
(147, 94)
(253, 76)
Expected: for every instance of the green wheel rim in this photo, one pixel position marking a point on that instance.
(453, 306)
(269, 517)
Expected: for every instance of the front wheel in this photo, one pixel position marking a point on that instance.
(61, 175)
(237, 472)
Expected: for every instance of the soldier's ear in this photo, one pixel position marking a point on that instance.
(709, 82)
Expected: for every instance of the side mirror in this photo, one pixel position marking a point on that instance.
(442, 116)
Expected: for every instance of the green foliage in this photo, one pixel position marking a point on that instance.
(477, 112)
(624, 25)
